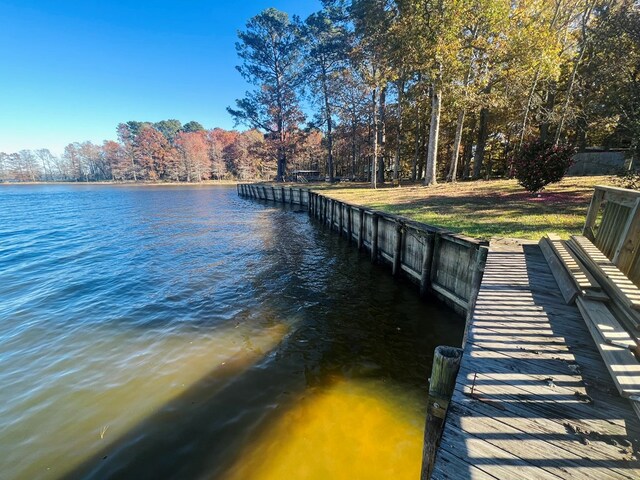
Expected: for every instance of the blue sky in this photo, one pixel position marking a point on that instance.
(72, 70)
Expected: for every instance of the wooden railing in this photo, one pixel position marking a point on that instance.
(613, 225)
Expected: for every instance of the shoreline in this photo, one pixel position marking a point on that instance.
(129, 184)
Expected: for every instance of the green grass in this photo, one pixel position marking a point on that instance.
(483, 209)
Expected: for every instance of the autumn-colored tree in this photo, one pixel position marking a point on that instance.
(115, 157)
(152, 151)
(193, 151)
(218, 141)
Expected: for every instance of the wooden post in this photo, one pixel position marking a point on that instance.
(332, 209)
(300, 196)
(360, 228)
(427, 260)
(592, 213)
(437, 238)
(325, 211)
(476, 280)
(446, 363)
(397, 253)
(282, 194)
(629, 240)
(374, 237)
(340, 221)
(349, 226)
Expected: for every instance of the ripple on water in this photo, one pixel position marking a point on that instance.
(184, 332)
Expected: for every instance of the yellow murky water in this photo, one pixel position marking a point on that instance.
(355, 429)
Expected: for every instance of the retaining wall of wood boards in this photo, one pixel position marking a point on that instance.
(441, 263)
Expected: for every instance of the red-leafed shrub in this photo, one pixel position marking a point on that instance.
(538, 164)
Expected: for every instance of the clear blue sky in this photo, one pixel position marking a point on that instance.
(72, 70)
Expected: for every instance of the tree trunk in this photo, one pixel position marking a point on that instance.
(434, 130)
(453, 169)
(482, 143)
(583, 44)
(374, 160)
(416, 154)
(382, 132)
(327, 112)
(468, 149)
(581, 139)
(549, 104)
(353, 151)
(528, 108)
(396, 163)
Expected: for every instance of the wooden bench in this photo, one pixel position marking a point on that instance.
(614, 282)
(585, 284)
(617, 347)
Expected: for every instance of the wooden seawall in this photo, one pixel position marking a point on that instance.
(533, 398)
(439, 262)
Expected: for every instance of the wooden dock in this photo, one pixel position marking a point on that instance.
(533, 398)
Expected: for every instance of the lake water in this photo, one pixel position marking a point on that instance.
(183, 332)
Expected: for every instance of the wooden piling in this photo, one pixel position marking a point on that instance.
(349, 226)
(427, 260)
(340, 219)
(374, 237)
(446, 363)
(476, 280)
(361, 228)
(437, 239)
(397, 253)
(332, 210)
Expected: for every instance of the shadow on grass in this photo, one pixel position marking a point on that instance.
(481, 208)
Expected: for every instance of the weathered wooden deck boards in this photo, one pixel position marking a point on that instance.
(533, 398)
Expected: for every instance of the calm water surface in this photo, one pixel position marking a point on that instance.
(183, 332)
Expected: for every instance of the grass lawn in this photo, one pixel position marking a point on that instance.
(483, 209)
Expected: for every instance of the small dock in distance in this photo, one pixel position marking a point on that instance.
(534, 398)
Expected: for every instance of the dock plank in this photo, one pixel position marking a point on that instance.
(533, 398)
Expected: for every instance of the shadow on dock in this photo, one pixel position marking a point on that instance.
(533, 397)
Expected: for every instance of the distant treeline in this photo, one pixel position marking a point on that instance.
(161, 151)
